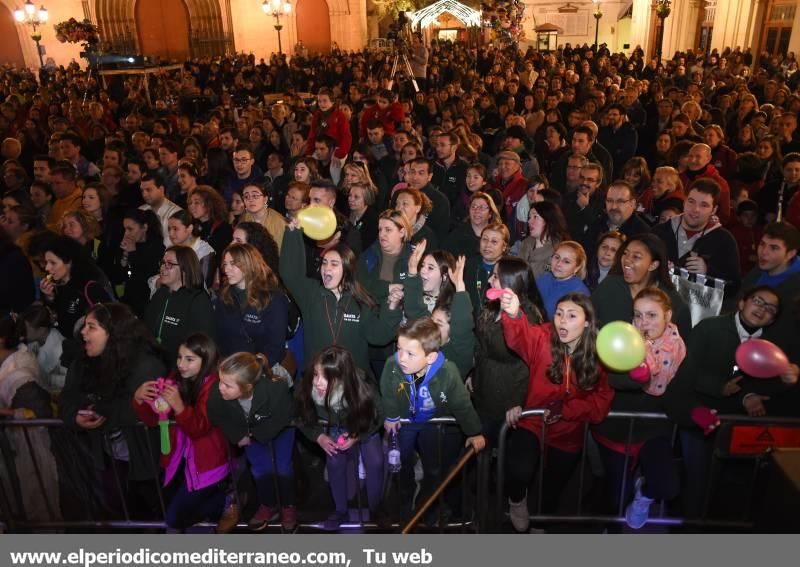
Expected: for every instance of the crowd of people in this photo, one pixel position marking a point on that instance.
(488, 225)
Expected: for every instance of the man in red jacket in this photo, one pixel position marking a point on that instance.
(700, 166)
(329, 121)
(510, 182)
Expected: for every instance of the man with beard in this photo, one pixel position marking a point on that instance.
(620, 216)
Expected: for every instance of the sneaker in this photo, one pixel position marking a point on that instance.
(638, 511)
(289, 519)
(261, 519)
(228, 520)
(520, 517)
(334, 521)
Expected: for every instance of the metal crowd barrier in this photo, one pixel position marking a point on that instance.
(88, 509)
(738, 438)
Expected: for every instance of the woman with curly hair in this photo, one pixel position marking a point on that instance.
(118, 356)
(210, 213)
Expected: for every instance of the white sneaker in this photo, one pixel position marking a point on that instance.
(520, 517)
(638, 511)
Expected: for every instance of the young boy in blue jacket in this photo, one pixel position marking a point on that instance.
(419, 384)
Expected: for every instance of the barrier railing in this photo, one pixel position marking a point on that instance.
(61, 467)
(47, 481)
(728, 443)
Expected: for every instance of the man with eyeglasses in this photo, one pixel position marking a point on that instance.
(247, 172)
(584, 207)
(779, 267)
(710, 364)
(697, 241)
(620, 216)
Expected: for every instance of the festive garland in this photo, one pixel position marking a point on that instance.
(73, 31)
(504, 18)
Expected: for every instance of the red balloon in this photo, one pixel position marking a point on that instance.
(761, 359)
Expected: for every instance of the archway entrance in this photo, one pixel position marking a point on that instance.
(163, 27)
(314, 25)
(10, 49)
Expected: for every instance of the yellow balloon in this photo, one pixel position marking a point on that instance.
(318, 222)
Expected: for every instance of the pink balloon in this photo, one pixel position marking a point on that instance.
(761, 359)
(494, 293)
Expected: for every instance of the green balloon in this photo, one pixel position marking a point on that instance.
(620, 346)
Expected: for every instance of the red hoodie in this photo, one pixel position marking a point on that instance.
(334, 125)
(389, 117)
(532, 343)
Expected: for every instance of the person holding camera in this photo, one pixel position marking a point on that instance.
(419, 61)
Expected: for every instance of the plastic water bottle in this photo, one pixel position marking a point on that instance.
(362, 472)
(394, 454)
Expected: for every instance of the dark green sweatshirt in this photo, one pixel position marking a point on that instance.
(329, 321)
(461, 346)
(174, 315)
(446, 390)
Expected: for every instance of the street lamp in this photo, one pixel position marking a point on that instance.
(276, 9)
(28, 15)
(597, 15)
(663, 10)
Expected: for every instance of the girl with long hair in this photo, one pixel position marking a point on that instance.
(137, 258)
(435, 287)
(184, 232)
(118, 356)
(180, 305)
(567, 380)
(566, 275)
(336, 308)
(338, 408)
(198, 461)
(547, 228)
(253, 407)
(500, 378)
(251, 309)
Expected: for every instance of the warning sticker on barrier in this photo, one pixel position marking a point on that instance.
(754, 439)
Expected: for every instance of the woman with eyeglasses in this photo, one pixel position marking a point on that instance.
(257, 209)
(464, 239)
(180, 306)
